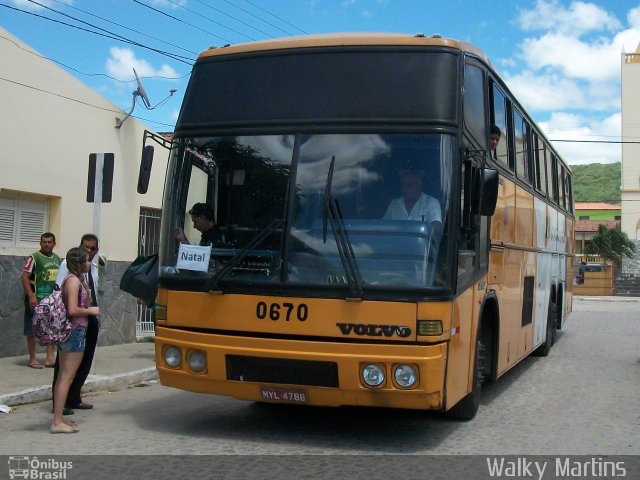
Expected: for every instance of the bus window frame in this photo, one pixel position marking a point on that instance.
(553, 162)
(495, 87)
(522, 159)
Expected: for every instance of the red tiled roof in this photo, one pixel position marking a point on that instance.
(592, 225)
(596, 206)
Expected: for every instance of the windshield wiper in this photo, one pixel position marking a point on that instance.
(250, 247)
(334, 215)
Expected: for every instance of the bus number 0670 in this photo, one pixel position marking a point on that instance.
(277, 311)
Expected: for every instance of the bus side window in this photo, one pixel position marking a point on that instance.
(499, 119)
(569, 186)
(520, 128)
(552, 176)
(540, 165)
(474, 104)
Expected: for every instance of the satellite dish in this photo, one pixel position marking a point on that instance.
(140, 91)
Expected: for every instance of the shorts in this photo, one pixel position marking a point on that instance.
(28, 319)
(75, 342)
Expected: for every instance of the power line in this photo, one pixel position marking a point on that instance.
(255, 16)
(84, 73)
(110, 35)
(213, 21)
(594, 141)
(125, 27)
(117, 36)
(275, 16)
(180, 20)
(75, 100)
(225, 14)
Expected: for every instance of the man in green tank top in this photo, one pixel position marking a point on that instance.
(38, 279)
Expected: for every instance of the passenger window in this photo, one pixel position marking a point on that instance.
(569, 191)
(542, 167)
(474, 110)
(561, 187)
(520, 128)
(553, 178)
(499, 120)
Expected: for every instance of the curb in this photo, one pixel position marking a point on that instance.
(93, 383)
(585, 298)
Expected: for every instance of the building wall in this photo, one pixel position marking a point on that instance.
(118, 310)
(50, 123)
(597, 214)
(631, 151)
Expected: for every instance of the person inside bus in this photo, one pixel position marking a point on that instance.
(494, 139)
(203, 219)
(414, 204)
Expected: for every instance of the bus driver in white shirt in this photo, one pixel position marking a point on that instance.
(414, 204)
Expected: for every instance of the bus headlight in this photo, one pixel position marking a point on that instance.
(197, 360)
(373, 375)
(405, 375)
(172, 356)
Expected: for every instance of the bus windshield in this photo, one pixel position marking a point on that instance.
(355, 212)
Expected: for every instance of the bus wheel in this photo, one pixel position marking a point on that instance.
(544, 349)
(467, 408)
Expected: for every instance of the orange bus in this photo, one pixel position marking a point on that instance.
(340, 228)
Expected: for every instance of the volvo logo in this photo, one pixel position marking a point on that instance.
(371, 330)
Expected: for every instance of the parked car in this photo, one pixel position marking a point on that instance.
(587, 267)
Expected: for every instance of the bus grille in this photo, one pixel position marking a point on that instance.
(282, 370)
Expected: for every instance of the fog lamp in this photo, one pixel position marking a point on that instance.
(405, 375)
(197, 360)
(372, 375)
(172, 356)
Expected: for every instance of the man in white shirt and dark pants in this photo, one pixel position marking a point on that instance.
(89, 242)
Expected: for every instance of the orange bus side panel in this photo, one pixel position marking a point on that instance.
(525, 224)
(510, 302)
(503, 220)
(460, 348)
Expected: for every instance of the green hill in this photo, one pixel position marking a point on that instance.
(596, 182)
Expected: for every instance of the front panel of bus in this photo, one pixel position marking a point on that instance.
(334, 178)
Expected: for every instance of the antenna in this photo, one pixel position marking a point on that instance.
(140, 92)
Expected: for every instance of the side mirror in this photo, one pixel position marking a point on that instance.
(145, 169)
(488, 182)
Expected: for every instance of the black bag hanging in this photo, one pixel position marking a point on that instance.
(140, 279)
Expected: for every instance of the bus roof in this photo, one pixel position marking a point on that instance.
(342, 40)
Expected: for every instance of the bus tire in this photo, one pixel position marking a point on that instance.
(467, 408)
(544, 349)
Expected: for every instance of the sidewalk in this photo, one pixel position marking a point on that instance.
(115, 366)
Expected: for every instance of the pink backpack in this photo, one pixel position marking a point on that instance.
(51, 325)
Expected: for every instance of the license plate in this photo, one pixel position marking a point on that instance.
(283, 395)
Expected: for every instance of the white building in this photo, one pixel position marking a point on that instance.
(50, 123)
(630, 188)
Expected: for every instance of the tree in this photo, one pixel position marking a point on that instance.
(611, 244)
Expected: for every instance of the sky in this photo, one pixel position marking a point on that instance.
(562, 59)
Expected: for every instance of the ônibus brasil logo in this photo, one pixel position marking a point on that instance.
(40, 469)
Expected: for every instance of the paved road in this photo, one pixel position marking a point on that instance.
(582, 399)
